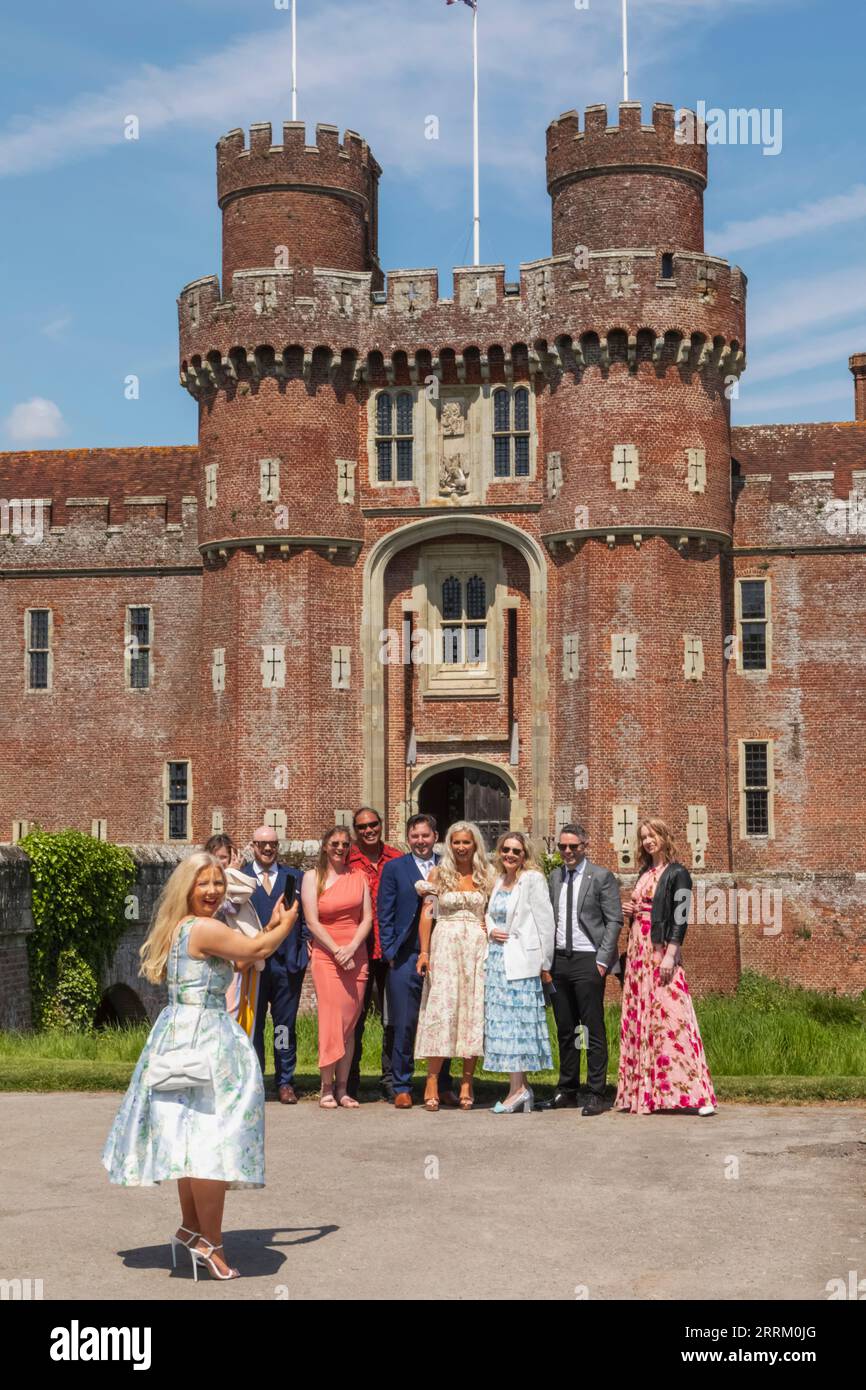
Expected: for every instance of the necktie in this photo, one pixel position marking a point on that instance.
(266, 882)
(569, 905)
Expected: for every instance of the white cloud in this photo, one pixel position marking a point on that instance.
(797, 398)
(795, 305)
(34, 420)
(804, 354)
(747, 233)
(56, 328)
(380, 68)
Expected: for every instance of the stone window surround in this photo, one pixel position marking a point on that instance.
(188, 803)
(46, 689)
(738, 615)
(127, 651)
(771, 787)
(439, 680)
(479, 436)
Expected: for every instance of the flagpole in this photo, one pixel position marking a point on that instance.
(625, 50)
(294, 60)
(476, 209)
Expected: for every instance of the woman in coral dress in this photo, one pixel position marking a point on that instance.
(661, 1056)
(339, 914)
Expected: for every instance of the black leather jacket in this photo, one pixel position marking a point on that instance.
(671, 902)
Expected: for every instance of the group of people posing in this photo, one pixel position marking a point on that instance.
(461, 955)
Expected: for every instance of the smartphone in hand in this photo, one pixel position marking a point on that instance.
(291, 891)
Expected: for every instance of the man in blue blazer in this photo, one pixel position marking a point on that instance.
(283, 976)
(399, 908)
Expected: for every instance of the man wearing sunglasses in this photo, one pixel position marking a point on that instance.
(588, 912)
(369, 855)
(283, 976)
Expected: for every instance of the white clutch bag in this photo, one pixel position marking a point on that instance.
(179, 1069)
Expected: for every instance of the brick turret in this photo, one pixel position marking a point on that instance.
(628, 185)
(297, 205)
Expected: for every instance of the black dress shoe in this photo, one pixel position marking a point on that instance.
(594, 1106)
(562, 1100)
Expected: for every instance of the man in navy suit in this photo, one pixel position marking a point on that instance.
(399, 910)
(283, 976)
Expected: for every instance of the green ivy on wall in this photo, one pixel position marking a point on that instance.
(79, 889)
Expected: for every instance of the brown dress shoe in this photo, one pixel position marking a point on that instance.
(287, 1095)
(403, 1101)
(448, 1098)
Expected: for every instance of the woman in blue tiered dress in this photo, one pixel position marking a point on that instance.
(521, 931)
(209, 1135)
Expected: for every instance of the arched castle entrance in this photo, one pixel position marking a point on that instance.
(530, 800)
(466, 790)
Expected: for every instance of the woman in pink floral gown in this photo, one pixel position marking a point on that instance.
(661, 1056)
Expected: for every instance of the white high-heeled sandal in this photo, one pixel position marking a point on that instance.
(177, 1240)
(204, 1257)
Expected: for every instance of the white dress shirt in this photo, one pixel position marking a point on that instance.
(579, 940)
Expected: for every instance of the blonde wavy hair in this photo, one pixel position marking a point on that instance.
(323, 863)
(529, 859)
(173, 905)
(660, 828)
(447, 877)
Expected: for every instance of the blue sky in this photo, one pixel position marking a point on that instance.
(99, 233)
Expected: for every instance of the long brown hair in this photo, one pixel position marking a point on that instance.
(323, 863)
(658, 827)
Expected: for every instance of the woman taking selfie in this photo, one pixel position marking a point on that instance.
(194, 1110)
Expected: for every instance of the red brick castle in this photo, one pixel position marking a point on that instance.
(497, 555)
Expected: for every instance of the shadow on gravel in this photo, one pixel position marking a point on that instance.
(256, 1253)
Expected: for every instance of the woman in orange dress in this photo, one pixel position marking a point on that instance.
(339, 914)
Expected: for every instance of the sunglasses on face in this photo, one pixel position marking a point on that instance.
(563, 849)
(265, 844)
(508, 850)
(369, 825)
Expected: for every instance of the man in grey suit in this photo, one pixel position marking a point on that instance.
(588, 912)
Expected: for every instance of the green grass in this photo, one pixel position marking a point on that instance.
(766, 1042)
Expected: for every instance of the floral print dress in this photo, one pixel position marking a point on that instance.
(215, 1132)
(661, 1055)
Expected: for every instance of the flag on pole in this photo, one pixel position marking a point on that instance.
(476, 199)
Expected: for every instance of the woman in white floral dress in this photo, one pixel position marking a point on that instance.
(211, 1137)
(453, 937)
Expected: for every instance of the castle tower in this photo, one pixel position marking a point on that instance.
(278, 444)
(297, 205)
(540, 473)
(605, 180)
(642, 520)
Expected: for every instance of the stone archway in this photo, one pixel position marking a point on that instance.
(455, 524)
(467, 789)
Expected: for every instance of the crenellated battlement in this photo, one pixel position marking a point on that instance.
(92, 532)
(241, 168)
(663, 146)
(297, 205)
(650, 178)
(614, 308)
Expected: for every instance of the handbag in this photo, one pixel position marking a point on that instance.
(181, 1068)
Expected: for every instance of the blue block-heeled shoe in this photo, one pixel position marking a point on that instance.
(525, 1101)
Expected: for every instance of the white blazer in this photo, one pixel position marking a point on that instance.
(530, 925)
